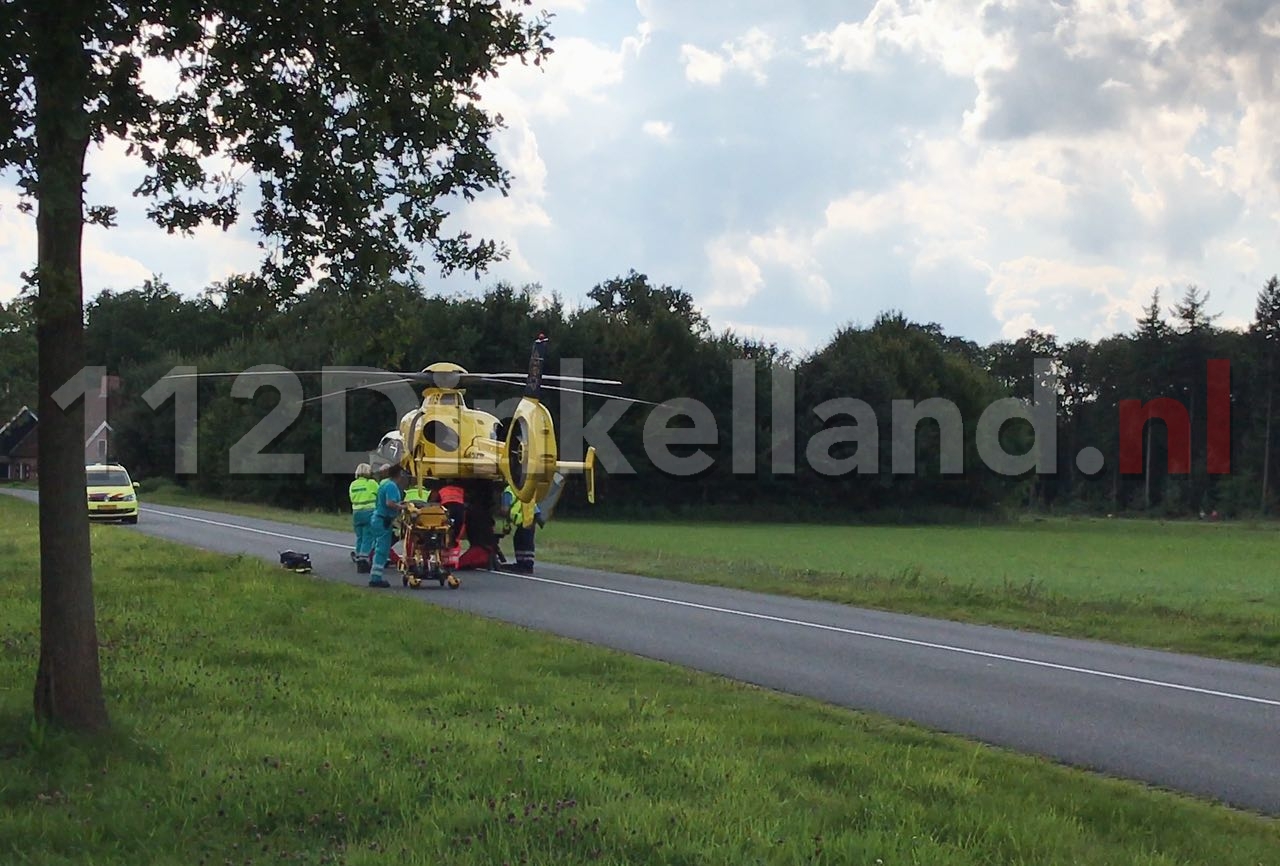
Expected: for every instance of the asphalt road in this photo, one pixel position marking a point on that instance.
(1201, 726)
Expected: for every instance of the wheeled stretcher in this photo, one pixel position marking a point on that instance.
(428, 547)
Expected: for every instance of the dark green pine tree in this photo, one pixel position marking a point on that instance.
(1265, 333)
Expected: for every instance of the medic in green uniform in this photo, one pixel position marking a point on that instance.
(363, 493)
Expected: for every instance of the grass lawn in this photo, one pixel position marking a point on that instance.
(264, 717)
(1205, 588)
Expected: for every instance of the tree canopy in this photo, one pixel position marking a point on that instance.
(348, 128)
(654, 339)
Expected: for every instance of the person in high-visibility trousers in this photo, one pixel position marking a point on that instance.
(387, 506)
(363, 492)
(522, 535)
(454, 500)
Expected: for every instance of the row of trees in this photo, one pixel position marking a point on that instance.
(776, 459)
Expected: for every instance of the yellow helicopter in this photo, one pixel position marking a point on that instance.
(445, 442)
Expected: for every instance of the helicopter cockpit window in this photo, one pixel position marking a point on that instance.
(442, 436)
(390, 449)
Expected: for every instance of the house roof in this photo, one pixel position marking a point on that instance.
(16, 429)
(103, 427)
(27, 447)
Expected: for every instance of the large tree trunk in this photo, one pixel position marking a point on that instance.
(68, 689)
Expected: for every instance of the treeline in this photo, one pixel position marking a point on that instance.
(823, 462)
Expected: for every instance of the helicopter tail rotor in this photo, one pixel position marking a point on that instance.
(530, 451)
(537, 360)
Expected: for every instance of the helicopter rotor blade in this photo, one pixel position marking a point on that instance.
(352, 371)
(352, 388)
(523, 376)
(599, 394)
(498, 377)
(587, 393)
(399, 375)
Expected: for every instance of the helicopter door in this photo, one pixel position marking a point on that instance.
(530, 462)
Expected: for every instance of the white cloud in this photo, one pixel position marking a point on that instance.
(795, 253)
(702, 67)
(1025, 292)
(1110, 147)
(750, 54)
(739, 269)
(104, 269)
(579, 70)
(123, 257)
(794, 339)
(17, 244)
(581, 75)
(1243, 254)
(996, 164)
(947, 32)
(734, 277)
(659, 129)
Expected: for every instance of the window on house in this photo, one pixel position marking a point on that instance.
(102, 449)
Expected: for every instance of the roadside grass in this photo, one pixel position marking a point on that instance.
(18, 485)
(167, 493)
(266, 717)
(1203, 588)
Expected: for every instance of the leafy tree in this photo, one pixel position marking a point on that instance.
(17, 356)
(138, 325)
(360, 123)
(246, 302)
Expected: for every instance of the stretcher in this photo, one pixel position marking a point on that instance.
(428, 547)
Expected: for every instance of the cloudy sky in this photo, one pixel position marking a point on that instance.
(991, 166)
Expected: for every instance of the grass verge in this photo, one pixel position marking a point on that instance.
(263, 717)
(1200, 588)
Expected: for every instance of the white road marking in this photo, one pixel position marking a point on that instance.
(896, 639)
(786, 621)
(245, 528)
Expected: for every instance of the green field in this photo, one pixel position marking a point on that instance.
(1206, 588)
(264, 717)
